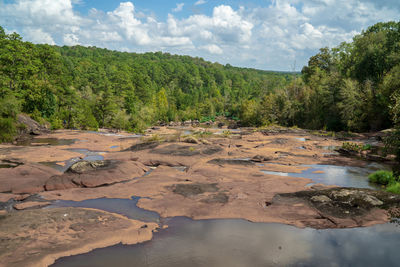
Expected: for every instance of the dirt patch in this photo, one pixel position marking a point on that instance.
(217, 198)
(279, 141)
(143, 146)
(242, 162)
(187, 151)
(188, 190)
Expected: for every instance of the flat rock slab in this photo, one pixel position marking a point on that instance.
(39, 237)
(31, 204)
(28, 178)
(97, 173)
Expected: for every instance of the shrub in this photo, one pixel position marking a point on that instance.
(382, 177)
(392, 143)
(356, 147)
(394, 188)
(7, 129)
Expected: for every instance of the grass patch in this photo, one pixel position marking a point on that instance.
(203, 134)
(394, 188)
(382, 177)
(386, 178)
(152, 139)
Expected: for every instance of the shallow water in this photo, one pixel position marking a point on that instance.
(235, 242)
(46, 141)
(121, 136)
(345, 176)
(126, 207)
(4, 164)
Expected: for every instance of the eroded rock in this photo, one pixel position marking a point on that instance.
(84, 166)
(345, 202)
(188, 190)
(96, 173)
(185, 151)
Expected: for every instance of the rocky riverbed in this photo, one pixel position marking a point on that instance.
(192, 172)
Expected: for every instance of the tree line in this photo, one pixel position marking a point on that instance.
(89, 87)
(352, 87)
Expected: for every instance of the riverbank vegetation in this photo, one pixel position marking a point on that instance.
(352, 87)
(388, 179)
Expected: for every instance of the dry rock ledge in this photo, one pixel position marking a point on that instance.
(39, 237)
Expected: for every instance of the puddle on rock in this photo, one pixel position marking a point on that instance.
(63, 166)
(301, 139)
(5, 164)
(46, 141)
(345, 176)
(330, 148)
(235, 242)
(126, 207)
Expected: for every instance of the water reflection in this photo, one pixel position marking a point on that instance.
(345, 176)
(126, 207)
(242, 243)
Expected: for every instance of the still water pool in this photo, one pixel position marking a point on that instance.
(235, 242)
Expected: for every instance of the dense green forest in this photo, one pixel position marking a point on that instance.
(352, 87)
(89, 87)
(355, 86)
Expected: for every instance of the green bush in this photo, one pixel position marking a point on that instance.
(356, 147)
(56, 123)
(382, 177)
(7, 129)
(394, 188)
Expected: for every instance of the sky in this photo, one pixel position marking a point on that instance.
(265, 34)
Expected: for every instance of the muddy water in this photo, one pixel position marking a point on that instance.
(242, 243)
(336, 175)
(126, 207)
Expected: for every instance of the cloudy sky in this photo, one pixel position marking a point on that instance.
(264, 34)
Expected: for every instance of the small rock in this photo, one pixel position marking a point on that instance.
(372, 200)
(191, 140)
(205, 142)
(343, 193)
(321, 199)
(30, 204)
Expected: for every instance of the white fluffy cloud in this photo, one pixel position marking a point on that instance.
(200, 2)
(272, 36)
(179, 7)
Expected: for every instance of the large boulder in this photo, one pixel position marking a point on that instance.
(31, 127)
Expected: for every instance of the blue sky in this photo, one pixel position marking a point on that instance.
(264, 34)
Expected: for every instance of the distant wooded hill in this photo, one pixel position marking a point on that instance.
(354, 86)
